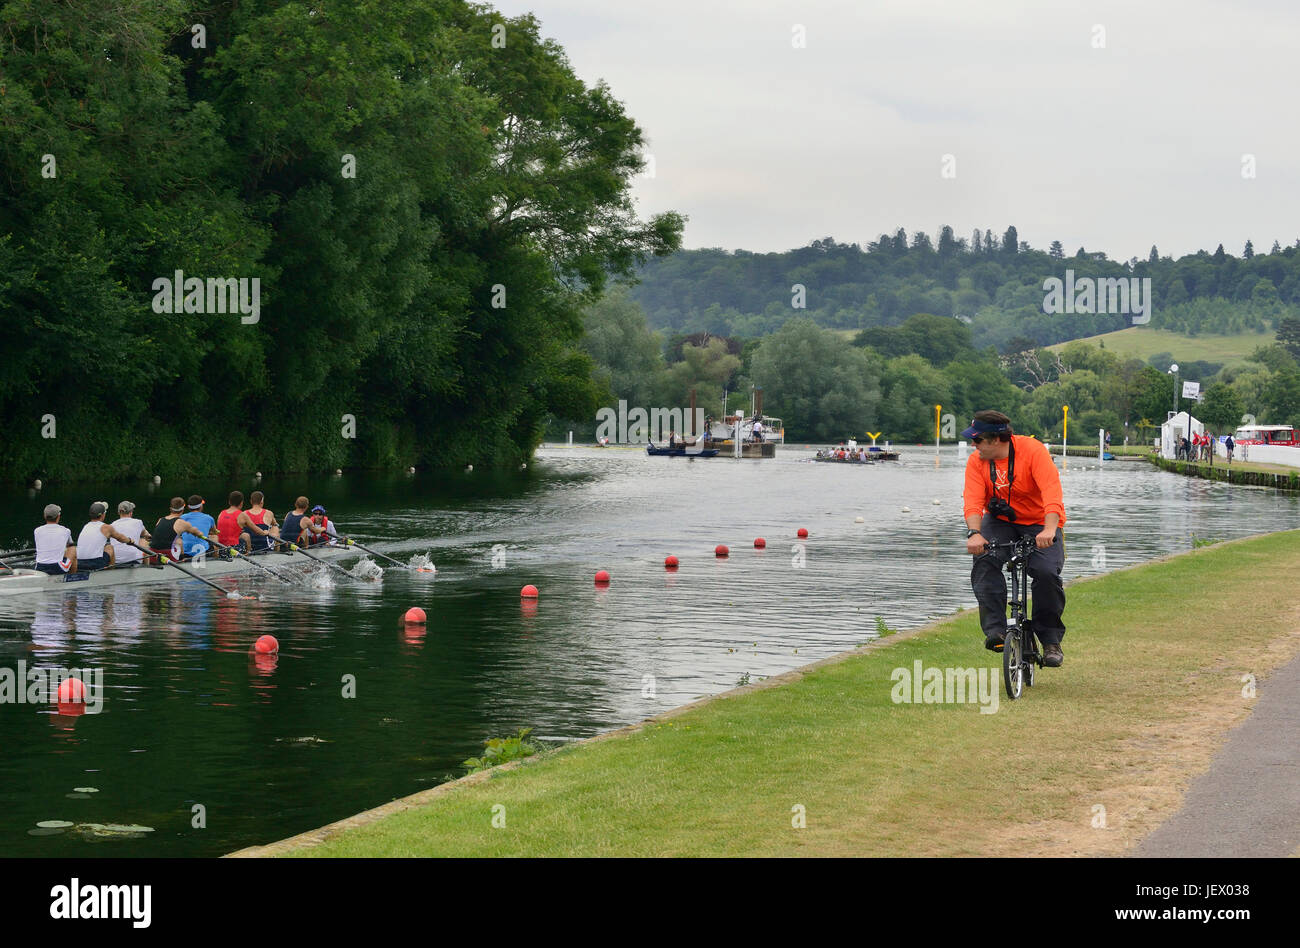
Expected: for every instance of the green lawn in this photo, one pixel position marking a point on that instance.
(1142, 342)
(1088, 762)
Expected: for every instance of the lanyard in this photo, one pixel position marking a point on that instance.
(1011, 471)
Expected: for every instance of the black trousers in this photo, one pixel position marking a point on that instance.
(989, 581)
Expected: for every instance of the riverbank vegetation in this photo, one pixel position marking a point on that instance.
(382, 220)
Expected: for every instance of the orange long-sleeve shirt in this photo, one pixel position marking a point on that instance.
(1035, 493)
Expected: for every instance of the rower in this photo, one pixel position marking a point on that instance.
(127, 524)
(169, 529)
(192, 545)
(228, 532)
(257, 524)
(56, 554)
(93, 549)
(298, 524)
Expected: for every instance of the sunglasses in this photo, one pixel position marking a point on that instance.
(977, 440)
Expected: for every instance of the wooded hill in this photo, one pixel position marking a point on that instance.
(994, 282)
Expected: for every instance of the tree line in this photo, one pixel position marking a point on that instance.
(827, 385)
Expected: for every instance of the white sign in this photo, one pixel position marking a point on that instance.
(1191, 389)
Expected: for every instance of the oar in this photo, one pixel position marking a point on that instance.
(167, 560)
(297, 549)
(17, 552)
(348, 541)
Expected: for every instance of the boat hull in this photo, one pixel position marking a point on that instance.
(654, 452)
(33, 582)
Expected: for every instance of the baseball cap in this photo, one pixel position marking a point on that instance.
(983, 427)
(52, 510)
(98, 508)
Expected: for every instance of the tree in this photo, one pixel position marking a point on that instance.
(976, 242)
(1288, 335)
(822, 386)
(1056, 251)
(1222, 408)
(1249, 251)
(1010, 241)
(947, 242)
(1154, 257)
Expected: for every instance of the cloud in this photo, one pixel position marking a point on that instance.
(765, 145)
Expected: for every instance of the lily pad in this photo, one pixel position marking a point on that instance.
(54, 824)
(85, 790)
(112, 830)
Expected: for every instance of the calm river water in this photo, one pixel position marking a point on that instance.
(272, 748)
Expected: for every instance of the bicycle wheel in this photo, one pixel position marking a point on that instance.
(1013, 669)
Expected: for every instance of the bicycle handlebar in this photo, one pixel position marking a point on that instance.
(1019, 545)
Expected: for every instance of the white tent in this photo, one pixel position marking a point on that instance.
(1176, 426)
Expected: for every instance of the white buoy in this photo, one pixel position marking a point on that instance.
(410, 470)
(936, 502)
(37, 483)
(523, 467)
(858, 520)
(469, 468)
(157, 479)
(338, 471)
(907, 510)
(258, 475)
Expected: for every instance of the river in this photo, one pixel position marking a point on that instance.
(213, 749)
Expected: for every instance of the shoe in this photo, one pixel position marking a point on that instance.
(994, 641)
(1053, 656)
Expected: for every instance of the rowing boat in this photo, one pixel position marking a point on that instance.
(31, 581)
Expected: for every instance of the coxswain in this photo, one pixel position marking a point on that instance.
(319, 518)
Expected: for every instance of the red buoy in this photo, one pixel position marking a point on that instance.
(720, 550)
(72, 690)
(602, 578)
(803, 533)
(528, 592)
(414, 615)
(760, 543)
(266, 645)
(670, 562)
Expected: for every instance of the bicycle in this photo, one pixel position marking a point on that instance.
(1020, 651)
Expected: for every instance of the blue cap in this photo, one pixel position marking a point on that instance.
(984, 427)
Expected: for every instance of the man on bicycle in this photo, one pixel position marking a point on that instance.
(1014, 490)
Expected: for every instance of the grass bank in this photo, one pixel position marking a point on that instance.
(1089, 762)
(1142, 342)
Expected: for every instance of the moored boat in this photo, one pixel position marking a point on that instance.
(681, 451)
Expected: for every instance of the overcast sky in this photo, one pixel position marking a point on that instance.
(766, 146)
